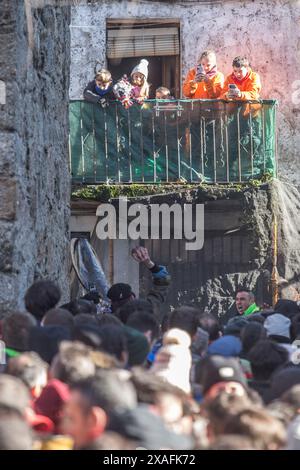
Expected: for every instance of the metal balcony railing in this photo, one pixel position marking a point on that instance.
(192, 141)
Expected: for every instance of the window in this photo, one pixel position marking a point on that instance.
(158, 41)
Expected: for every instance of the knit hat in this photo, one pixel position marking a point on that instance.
(235, 326)
(138, 346)
(142, 67)
(278, 325)
(178, 337)
(173, 361)
(226, 346)
(52, 400)
(119, 291)
(214, 369)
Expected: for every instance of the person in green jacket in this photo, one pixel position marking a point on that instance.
(245, 302)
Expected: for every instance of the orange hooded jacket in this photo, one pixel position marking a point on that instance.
(250, 86)
(211, 89)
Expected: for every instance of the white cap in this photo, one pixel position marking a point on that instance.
(142, 67)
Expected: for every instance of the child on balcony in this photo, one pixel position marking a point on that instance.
(204, 81)
(242, 84)
(163, 93)
(100, 89)
(135, 90)
(244, 124)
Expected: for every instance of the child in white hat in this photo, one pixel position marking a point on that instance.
(136, 89)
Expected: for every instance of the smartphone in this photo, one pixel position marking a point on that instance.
(199, 71)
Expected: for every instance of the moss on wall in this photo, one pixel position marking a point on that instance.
(105, 192)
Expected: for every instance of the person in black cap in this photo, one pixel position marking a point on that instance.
(120, 293)
(217, 369)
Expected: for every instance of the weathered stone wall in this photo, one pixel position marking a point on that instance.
(239, 232)
(34, 176)
(266, 31)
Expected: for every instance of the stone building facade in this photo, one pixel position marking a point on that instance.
(266, 31)
(34, 174)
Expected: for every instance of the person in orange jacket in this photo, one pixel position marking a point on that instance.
(242, 84)
(246, 138)
(204, 81)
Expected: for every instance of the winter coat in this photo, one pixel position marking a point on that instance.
(211, 89)
(94, 95)
(250, 86)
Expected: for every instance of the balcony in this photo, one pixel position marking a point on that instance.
(188, 141)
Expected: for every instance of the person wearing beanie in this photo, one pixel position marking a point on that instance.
(142, 69)
(226, 346)
(139, 77)
(278, 329)
(138, 347)
(173, 361)
(212, 370)
(51, 402)
(235, 326)
(135, 89)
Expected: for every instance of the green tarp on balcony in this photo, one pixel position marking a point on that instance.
(171, 141)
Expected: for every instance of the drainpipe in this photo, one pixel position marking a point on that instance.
(275, 275)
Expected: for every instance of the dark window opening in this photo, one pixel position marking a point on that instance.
(158, 41)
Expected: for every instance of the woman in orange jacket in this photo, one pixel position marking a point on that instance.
(204, 81)
(242, 84)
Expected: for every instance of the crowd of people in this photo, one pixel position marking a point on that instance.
(73, 377)
(204, 81)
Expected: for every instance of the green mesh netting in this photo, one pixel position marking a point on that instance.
(184, 140)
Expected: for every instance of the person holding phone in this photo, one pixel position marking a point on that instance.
(242, 84)
(244, 134)
(204, 81)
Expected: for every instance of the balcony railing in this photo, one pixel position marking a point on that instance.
(193, 141)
